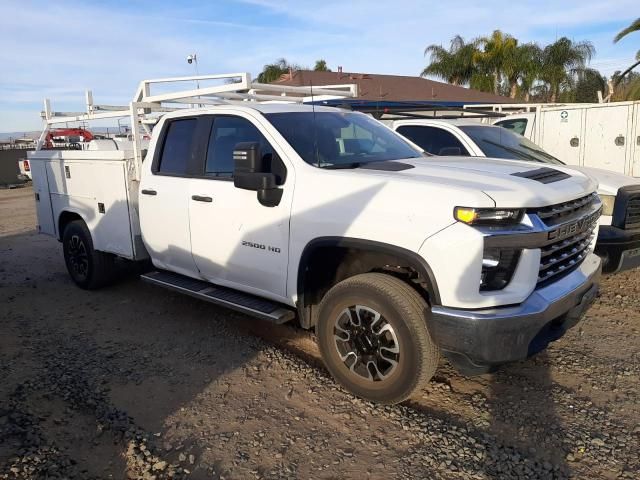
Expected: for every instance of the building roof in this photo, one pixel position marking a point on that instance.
(393, 88)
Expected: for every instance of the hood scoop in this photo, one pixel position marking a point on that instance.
(543, 175)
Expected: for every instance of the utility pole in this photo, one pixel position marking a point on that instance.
(193, 59)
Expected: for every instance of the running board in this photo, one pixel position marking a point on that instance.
(226, 297)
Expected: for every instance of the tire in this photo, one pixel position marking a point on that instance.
(373, 369)
(88, 268)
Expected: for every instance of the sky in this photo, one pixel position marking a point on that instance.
(58, 49)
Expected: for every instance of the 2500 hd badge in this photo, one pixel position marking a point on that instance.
(260, 246)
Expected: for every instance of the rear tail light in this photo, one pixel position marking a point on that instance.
(25, 163)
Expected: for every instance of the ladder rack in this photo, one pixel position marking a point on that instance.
(146, 107)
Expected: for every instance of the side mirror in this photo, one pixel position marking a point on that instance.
(450, 151)
(249, 173)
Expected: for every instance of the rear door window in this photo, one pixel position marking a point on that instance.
(176, 149)
(433, 139)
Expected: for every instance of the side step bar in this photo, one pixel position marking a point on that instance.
(226, 297)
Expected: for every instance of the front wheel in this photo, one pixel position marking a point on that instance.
(373, 337)
(88, 268)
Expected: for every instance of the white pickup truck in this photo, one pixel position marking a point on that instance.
(619, 233)
(287, 211)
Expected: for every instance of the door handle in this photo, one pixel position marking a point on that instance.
(201, 198)
(148, 192)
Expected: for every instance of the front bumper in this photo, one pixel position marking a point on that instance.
(619, 248)
(477, 340)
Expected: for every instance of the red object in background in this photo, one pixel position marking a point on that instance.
(25, 163)
(67, 132)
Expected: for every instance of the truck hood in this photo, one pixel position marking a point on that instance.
(608, 182)
(494, 177)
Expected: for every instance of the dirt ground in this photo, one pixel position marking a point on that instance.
(133, 381)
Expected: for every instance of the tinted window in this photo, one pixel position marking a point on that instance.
(340, 139)
(499, 142)
(433, 139)
(226, 133)
(519, 126)
(177, 146)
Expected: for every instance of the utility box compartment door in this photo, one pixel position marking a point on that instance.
(635, 139)
(562, 134)
(608, 137)
(42, 196)
(97, 191)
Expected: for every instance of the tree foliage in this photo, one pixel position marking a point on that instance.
(561, 61)
(273, 71)
(634, 27)
(321, 66)
(455, 65)
(499, 63)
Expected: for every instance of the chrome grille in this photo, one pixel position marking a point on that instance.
(561, 257)
(558, 213)
(632, 215)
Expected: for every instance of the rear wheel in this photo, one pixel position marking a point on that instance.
(373, 337)
(88, 268)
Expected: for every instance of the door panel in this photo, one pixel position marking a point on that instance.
(635, 138)
(164, 201)
(235, 240)
(606, 140)
(561, 134)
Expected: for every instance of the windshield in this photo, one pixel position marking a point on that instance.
(340, 139)
(499, 142)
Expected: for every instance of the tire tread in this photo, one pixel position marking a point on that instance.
(413, 306)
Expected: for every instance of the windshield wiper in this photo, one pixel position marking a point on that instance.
(545, 154)
(515, 151)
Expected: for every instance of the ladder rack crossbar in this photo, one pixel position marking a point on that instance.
(145, 107)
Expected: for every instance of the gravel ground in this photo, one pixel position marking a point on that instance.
(135, 382)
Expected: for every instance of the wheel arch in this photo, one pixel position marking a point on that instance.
(341, 257)
(66, 217)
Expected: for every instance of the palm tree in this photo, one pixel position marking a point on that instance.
(497, 50)
(634, 27)
(561, 60)
(454, 65)
(521, 64)
(531, 73)
(321, 66)
(273, 71)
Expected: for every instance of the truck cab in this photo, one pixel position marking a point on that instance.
(619, 234)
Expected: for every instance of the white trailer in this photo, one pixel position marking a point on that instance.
(598, 135)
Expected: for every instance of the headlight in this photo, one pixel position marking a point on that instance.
(608, 202)
(487, 216)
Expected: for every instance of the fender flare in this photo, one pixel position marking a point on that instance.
(413, 260)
